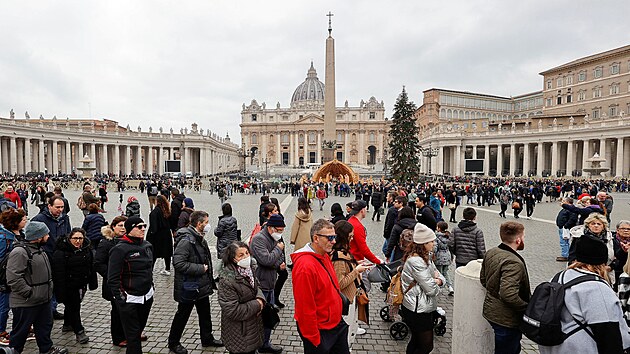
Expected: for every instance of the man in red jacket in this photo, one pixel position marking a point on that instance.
(358, 246)
(318, 304)
(13, 196)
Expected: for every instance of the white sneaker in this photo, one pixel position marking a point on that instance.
(450, 290)
(360, 331)
(165, 272)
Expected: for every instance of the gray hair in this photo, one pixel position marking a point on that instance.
(319, 225)
(623, 222)
(568, 200)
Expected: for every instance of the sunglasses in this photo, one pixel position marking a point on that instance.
(76, 238)
(141, 226)
(330, 238)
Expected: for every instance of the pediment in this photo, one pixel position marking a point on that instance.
(311, 118)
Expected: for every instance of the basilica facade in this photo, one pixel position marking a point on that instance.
(293, 136)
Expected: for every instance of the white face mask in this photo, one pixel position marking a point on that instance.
(207, 229)
(276, 236)
(245, 262)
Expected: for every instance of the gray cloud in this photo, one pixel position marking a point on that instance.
(158, 63)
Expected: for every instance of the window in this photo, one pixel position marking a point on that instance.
(559, 100)
(569, 80)
(598, 72)
(484, 124)
(254, 117)
(597, 92)
(595, 113)
(285, 138)
(271, 118)
(581, 95)
(614, 89)
(548, 84)
(549, 102)
(354, 117)
(254, 139)
(614, 69)
(339, 137)
(301, 139)
(582, 76)
(612, 111)
(559, 82)
(311, 138)
(339, 117)
(569, 98)
(372, 115)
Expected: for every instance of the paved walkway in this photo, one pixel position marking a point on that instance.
(540, 252)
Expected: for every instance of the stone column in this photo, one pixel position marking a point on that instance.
(68, 161)
(439, 166)
(80, 146)
(307, 160)
(554, 158)
(160, 161)
(362, 160)
(127, 159)
(116, 160)
(499, 160)
(13, 155)
(619, 162)
(138, 168)
(318, 153)
(570, 157)
(486, 159)
(540, 159)
(526, 161)
(40, 156)
(626, 158)
(93, 153)
(20, 156)
(602, 153)
(586, 152)
(150, 160)
(105, 160)
(202, 162)
(458, 160)
(513, 159)
(278, 149)
(4, 163)
(28, 156)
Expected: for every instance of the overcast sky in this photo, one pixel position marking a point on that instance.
(172, 63)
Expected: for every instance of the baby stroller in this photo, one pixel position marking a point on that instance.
(399, 330)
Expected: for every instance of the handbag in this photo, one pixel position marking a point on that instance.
(451, 206)
(566, 234)
(363, 309)
(345, 302)
(270, 317)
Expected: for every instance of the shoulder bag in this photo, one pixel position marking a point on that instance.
(345, 303)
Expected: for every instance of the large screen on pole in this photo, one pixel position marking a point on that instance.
(173, 166)
(474, 166)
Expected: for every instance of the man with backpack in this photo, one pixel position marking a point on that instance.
(152, 193)
(504, 275)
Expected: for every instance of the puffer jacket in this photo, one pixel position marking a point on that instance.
(59, 227)
(504, 275)
(184, 217)
(442, 254)
(241, 325)
(132, 209)
(72, 268)
(130, 268)
(30, 286)
(394, 239)
(226, 232)
(422, 297)
(92, 225)
(101, 259)
(188, 266)
(467, 242)
(268, 256)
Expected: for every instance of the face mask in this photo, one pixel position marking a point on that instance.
(245, 262)
(276, 236)
(207, 229)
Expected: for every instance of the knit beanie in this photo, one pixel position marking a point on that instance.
(35, 230)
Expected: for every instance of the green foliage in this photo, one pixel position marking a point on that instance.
(404, 144)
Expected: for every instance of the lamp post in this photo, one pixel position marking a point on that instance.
(242, 152)
(265, 160)
(430, 153)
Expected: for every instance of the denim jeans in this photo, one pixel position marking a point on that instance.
(506, 340)
(270, 298)
(564, 245)
(4, 310)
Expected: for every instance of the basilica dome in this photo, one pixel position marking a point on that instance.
(310, 90)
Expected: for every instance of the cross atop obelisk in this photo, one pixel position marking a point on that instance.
(330, 131)
(330, 15)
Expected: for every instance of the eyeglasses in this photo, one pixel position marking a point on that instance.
(623, 229)
(76, 238)
(141, 226)
(330, 238)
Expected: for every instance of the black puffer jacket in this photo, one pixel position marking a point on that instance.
(176, 210)
(394, 238)
(189, 266)
(132, 209)
(92, 225)
(241, 327)
(72, 268)
(226, 232)
(184, 217)
(467, 242)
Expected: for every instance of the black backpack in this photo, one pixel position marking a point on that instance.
(542, 320)
(4, 287)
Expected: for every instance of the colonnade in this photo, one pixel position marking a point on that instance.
(555, 158)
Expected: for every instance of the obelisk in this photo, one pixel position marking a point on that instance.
(330, 132)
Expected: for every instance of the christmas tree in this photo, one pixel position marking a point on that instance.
(404, 146)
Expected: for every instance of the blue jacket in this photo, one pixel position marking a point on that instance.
(7, 238)
(92, 225)
(59, 227)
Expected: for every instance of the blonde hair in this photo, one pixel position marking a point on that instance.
(596, 216)
(626, 267)
(599, 269)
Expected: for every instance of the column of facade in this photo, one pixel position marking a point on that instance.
(93, 153)
(619, 161)
(439, 166)
(318, 154)
(346, 147)
(307, 159)
(279, 148)
(458, 160)
(13, 155)
(602, 153)
(54, 157)
(68, 159)
(570, 157)
(4, 162)
(626, 158)
(586, 152)
(116, 160)
(138, 160)
(127, 159)
(20, 156)
(540, 159)
(526, 161)
(160, 161)
(202, 162)
(295, 148)
(40, 156)
(105, 159)
(28, 156)
(499, 160)
(486, 159)
(513, 159)
(554, 158)
(150, 160)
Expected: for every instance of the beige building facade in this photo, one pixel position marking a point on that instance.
(56, 146)
(580, 111)
(293, 136)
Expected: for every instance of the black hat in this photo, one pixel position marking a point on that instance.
(357, 206)
(276, 220)
(591, 250)
(133, 222)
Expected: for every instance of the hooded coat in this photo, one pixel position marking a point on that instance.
(241, 323)
(226, 232)
(72, 268)
(159, 234)
(467, 242)
(301, 229)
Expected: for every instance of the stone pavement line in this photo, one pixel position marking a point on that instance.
(284, 205)
(532, 218)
